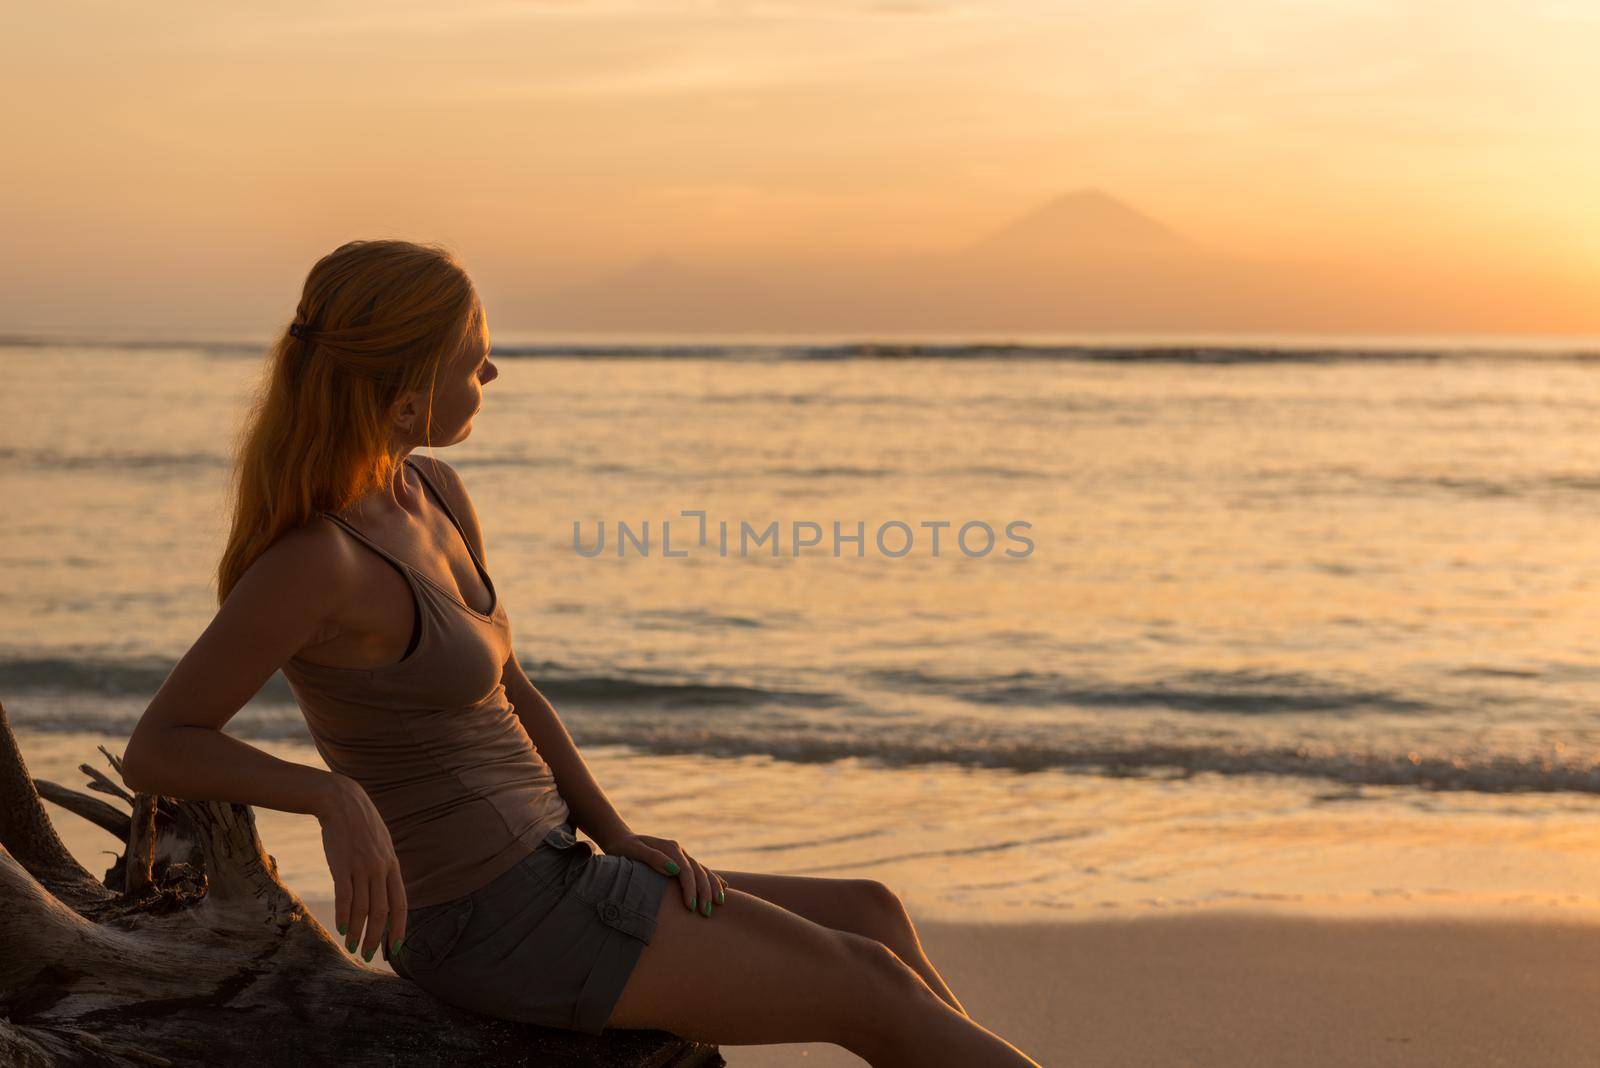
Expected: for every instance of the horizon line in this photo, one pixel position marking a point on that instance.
(147, 337)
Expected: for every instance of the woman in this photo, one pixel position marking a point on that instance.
(454, 792)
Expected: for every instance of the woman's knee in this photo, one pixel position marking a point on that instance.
(888, 912)
(890, 998)
(884, 976)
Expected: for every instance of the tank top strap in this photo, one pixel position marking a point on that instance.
(420, 591)
(444, 504)
(369, 543)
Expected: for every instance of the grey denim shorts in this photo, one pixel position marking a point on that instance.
(550, 941)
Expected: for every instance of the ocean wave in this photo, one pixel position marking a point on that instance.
(867, 349)
(1248, 693)
(1582, 482)
(1440, 771)
(57, 461)
(102, 677)
(1343, 481)
(741, 721)
(143, 676)
(669, 693)
(1237, 692)
(50, 460)
(204, 347)
(665, 618)
(1187, 354)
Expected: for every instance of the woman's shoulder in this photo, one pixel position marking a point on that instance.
(317, 536)
(315, 549)
(443, 476)
(440, 473)
(450, 485)
(304, 581)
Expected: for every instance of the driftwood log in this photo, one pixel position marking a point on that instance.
(190, 951)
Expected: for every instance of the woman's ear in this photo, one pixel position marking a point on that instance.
(404, 412)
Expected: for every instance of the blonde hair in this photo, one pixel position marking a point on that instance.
(376, 319)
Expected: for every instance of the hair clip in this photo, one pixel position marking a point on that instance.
(299, 330)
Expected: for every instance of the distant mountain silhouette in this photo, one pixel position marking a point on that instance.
(1083, 222)
(1084, 260)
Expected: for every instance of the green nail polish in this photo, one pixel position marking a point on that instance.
(708, 908)
(350, 946)
(342, 926)
(368, 954)
(672, 868)
(719, 897)
(395, 948)
(691, 904)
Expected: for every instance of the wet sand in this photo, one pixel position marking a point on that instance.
(1237, 989)
(1384, 978)
(1230, 988)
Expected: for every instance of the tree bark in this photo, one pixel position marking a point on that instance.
(193, 952)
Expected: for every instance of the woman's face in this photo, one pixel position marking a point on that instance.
(459, 394)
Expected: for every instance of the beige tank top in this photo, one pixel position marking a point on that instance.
(434, 740)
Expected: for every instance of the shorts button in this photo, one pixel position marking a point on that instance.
(609, 910)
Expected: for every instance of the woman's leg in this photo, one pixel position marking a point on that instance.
(755, 973)
(860, 906)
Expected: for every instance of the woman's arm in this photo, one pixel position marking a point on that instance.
(592, 811)
(178, 748)
(280, 604)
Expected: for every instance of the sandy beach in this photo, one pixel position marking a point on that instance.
(1237, 989)
(1232, 988)
(1410, 975)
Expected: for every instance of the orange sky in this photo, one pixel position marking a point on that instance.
(184, 163)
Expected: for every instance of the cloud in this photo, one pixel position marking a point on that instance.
(433, 17)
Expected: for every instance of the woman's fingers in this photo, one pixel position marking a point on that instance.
(368, 907)
(686, 883)
(361, 892)
(342, 900)
(377, 913)
(368, 891)
(397, 907)
(702, 882)
(701, 888)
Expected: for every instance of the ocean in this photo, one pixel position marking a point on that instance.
(1205, 623)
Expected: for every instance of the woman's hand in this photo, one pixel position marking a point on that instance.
(696, 882)
(367, 891)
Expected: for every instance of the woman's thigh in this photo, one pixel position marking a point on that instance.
(754, 972)
(844, 904)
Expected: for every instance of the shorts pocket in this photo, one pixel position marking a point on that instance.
(428, 943)
(560, 858)
(626, 920)
(625, 905)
